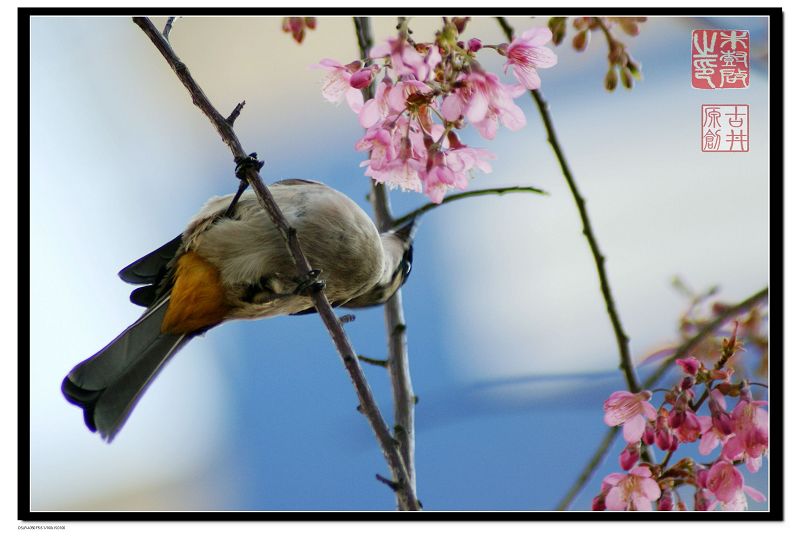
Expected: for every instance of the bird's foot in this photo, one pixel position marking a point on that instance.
(310, 284)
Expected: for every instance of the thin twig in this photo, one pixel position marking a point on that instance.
(372, 361)
(398, 369)
(235, 113)
(626, 362)
(464, 195)
(682, 350)
(168, 27)
(367, 402)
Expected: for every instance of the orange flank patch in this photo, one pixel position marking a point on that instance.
(197, 299)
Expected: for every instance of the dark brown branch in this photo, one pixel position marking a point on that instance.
(366, 401)
(235, 113)
(464, 195)
(626, 362)
(681, 351)
(398, 365)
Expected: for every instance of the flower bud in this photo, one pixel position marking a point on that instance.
(649, 435)
(580, 41)
(663, 439)
(676, 418)
(674, 446)
(460, 23)
(629, 456)
(311, 22)
(558, 25)
(599, 503)
(665, 502)
(626, 78)
(690, 365)
(361, 78)
(474, 44)
(611, 79)
(687, 383)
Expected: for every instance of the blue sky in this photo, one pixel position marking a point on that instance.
(511, 351)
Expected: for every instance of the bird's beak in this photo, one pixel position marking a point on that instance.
(407, 231)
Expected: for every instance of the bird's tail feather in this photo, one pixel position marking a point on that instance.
(109, 384)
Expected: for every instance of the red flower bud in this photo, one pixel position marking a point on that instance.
(474, 44)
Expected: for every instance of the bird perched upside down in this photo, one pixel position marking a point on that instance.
(229, 265)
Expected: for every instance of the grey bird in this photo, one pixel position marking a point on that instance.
(234, 264)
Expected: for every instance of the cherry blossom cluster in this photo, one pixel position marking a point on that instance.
(732, 437)
(425, 94)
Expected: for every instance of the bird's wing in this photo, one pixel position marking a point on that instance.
(149, 269)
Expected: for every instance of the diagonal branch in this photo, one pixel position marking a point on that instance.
(398, 366)
(683, 350)
(626, 362)
(334, 327)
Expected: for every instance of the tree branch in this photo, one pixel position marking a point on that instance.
(464, 195)
(651, 380)
(367, 402)
(398, 366)
(626, 362)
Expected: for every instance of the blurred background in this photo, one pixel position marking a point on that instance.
(512, 353)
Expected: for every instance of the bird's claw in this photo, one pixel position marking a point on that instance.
(310, 284)
(243, 163)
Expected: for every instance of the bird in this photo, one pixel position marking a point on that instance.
(231, 262)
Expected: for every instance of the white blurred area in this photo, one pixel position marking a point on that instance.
(521, 289)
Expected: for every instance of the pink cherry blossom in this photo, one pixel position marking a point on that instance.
(724, 480)
(405, 60)
(336, 85)
(633, 491)
(527, 53)
(484, 101)
(629, 409)
(751, 434)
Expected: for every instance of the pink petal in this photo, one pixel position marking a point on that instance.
(452, 107)
(527, 76)
(633, 429)
(513, 118)
(708, 442)
(478, 107)
(369, 114)
(754, 494)
(649, 411)
(536, 36)
(615, 500)
(650, 489)
(753, 464)
(641, 471)
(380, 50)
(544, 58)
(642, 504)
(487, 128)
(354, 99)
(328, 64)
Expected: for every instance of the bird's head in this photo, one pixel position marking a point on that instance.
(398, 246)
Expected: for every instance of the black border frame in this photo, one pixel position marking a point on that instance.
(776, 120)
